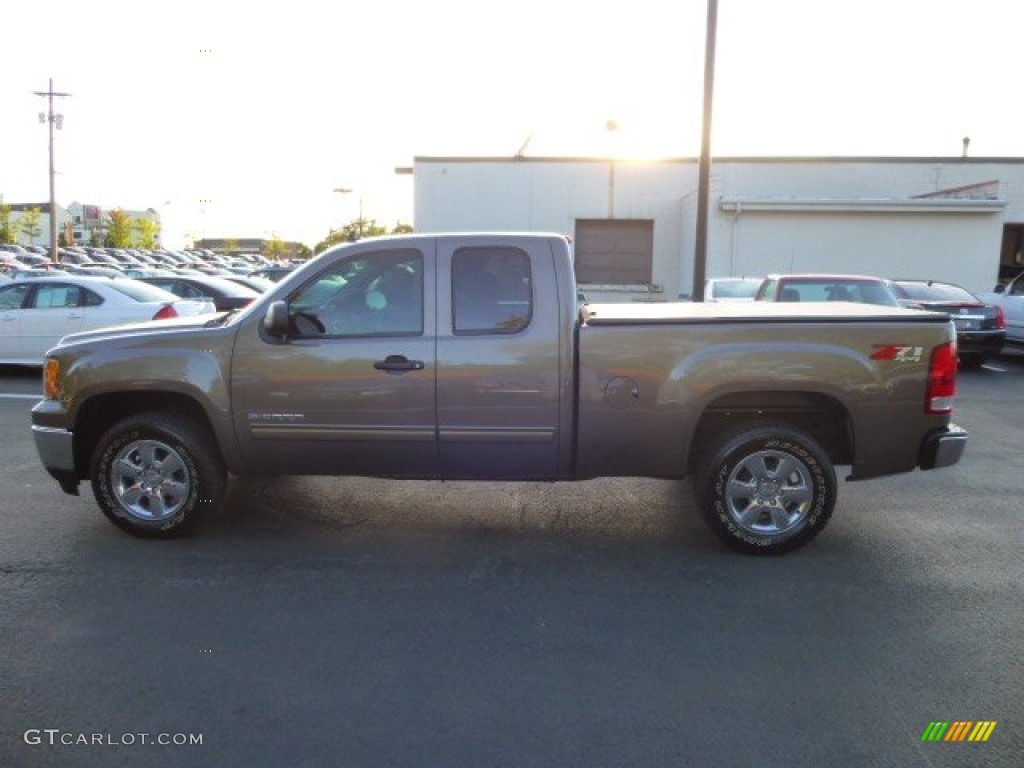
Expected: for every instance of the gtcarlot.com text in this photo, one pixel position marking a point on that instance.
(57, 737)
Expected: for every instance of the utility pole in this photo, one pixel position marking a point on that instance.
(54, 120)
(700, 254)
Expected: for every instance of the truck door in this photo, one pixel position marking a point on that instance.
(498, 361)
(351, 390)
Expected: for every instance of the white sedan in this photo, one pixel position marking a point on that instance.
(36, 313)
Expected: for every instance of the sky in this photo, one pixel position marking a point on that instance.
(241, 119)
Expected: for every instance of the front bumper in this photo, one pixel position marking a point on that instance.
(56, 450)
(943, 448)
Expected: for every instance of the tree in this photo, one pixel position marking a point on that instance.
(119, 229)
(357, 229)
(146, 232)
(274, 248)
(29, 224)
(232, 246)
(7, 233)
(334, 238)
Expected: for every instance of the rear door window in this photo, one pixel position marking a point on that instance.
(492, 290)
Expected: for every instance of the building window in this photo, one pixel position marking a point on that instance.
(614, 251)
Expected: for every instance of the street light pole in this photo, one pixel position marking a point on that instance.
(53, 120)
(611, 126)
(359, 221)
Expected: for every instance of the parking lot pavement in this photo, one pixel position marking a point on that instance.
(360, 622)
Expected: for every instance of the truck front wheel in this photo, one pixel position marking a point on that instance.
(156, 474)
(766, 489)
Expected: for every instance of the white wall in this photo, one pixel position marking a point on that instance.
(962, 249)
(549, 194)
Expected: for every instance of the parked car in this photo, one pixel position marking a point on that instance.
(33, 259)
(277, 274)
(30, 272)
(731, 288)
(9, 264)
(35, 314)
(980, 327)
(1010, 298)
(859, 289)
(147, 271)
(95, 271)
(259, 284)
(225, 294)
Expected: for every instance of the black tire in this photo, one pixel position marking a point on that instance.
(766, 489)
(157, 474)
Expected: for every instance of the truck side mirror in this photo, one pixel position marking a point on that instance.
(275, 321)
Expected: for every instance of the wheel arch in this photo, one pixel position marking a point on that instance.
(98, 413)
(821, 416)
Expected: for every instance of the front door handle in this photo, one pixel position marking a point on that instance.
(398, 364)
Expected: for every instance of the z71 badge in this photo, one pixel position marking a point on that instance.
(897, 353)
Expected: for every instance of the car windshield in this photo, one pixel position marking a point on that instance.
(735, 289)
(859, 291)
(939, 293)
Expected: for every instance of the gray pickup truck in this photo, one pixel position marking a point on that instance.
(470, 356)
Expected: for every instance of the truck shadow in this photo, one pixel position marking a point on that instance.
(621, 508)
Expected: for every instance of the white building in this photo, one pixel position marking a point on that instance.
(633, 223)
(90, 223)
(41, 236)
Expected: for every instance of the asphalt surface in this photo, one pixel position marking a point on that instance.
(356, 622)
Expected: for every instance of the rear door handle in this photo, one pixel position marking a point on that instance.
(398, 364)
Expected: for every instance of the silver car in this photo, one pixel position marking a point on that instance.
(36, 313)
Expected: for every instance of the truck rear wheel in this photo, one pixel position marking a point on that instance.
(156, 474)
(766, 489)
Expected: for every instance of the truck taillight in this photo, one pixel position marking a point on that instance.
(166, 313)
(941, 379)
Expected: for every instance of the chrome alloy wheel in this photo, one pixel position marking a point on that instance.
(769, 492)
(149, 479)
